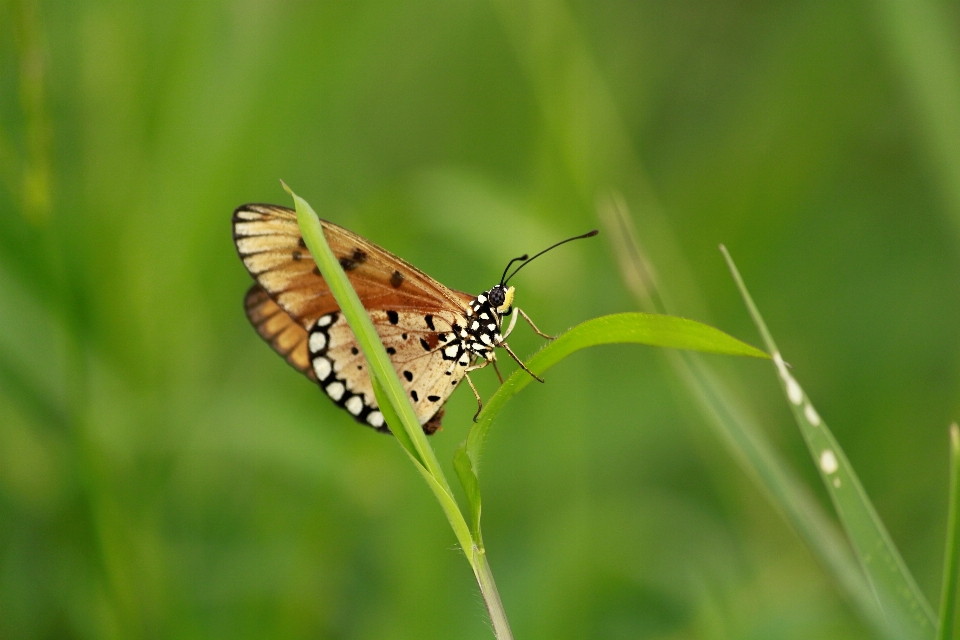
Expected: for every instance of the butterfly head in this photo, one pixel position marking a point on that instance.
(501, 298)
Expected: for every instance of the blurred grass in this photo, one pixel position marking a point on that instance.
(905, 608)
(162, 473)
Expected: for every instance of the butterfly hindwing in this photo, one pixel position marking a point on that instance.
(421, 355)
(281, 332)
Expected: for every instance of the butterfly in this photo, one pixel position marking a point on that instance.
(435, 336)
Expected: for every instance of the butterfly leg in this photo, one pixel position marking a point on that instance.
(497, 369)
(477, 395)
(513, 323)
(533, 326)
(520, 362)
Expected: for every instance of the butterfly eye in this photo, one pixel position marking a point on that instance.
(497, 295)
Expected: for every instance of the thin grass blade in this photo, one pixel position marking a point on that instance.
(741, 431)
(900, 599)
(951, 557)
(366, 334)
(396, 407)
(471, 487)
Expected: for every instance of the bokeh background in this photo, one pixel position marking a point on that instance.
(164, 474)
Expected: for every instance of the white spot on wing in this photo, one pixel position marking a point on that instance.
(475, 326)
(484, 338)
(481, 298)
(335, 390)
(811, 414)
(828, 462)
(375, 419)
(452, 350)
(484, 316)
(354, 405)
(318, 340)
(325, 320)
(321, 367)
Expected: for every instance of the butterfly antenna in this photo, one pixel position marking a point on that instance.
(589, 234)
(523, 257)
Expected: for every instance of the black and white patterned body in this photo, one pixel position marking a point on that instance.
(431, 353)
(481, 333)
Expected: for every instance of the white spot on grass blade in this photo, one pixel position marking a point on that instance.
(836, 482)
(794, 392)
(811, 415)
(778, 360)
(828, 462)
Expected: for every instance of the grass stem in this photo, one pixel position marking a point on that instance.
(951, 559)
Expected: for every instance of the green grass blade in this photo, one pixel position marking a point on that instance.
(785, 490)
(396, 407)
(471, 487)
(638, 328)
(924, 47)
(901, 600)
(367, 337)
(951, 557)
(447, 502)
(742, 434)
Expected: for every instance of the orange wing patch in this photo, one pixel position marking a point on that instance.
(280, 331)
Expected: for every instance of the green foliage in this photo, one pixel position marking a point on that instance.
(163, 473)
(906, 609)
(640, 328)
(951, 559)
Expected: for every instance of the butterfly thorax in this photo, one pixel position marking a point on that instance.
(483, 317)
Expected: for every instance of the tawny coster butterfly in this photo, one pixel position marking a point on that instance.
(434, 335)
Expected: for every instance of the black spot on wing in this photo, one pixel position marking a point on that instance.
(408, 376)
(424, 344)
(393, 317)
(396, 279)
(433, 398)
(349, 263)
(413, 394)
(429, 320)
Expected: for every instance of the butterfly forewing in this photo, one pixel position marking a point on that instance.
(293, 310)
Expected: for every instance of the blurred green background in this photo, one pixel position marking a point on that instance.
(164, 474)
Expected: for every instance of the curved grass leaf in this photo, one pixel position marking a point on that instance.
(638, 328)
(900, 599)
